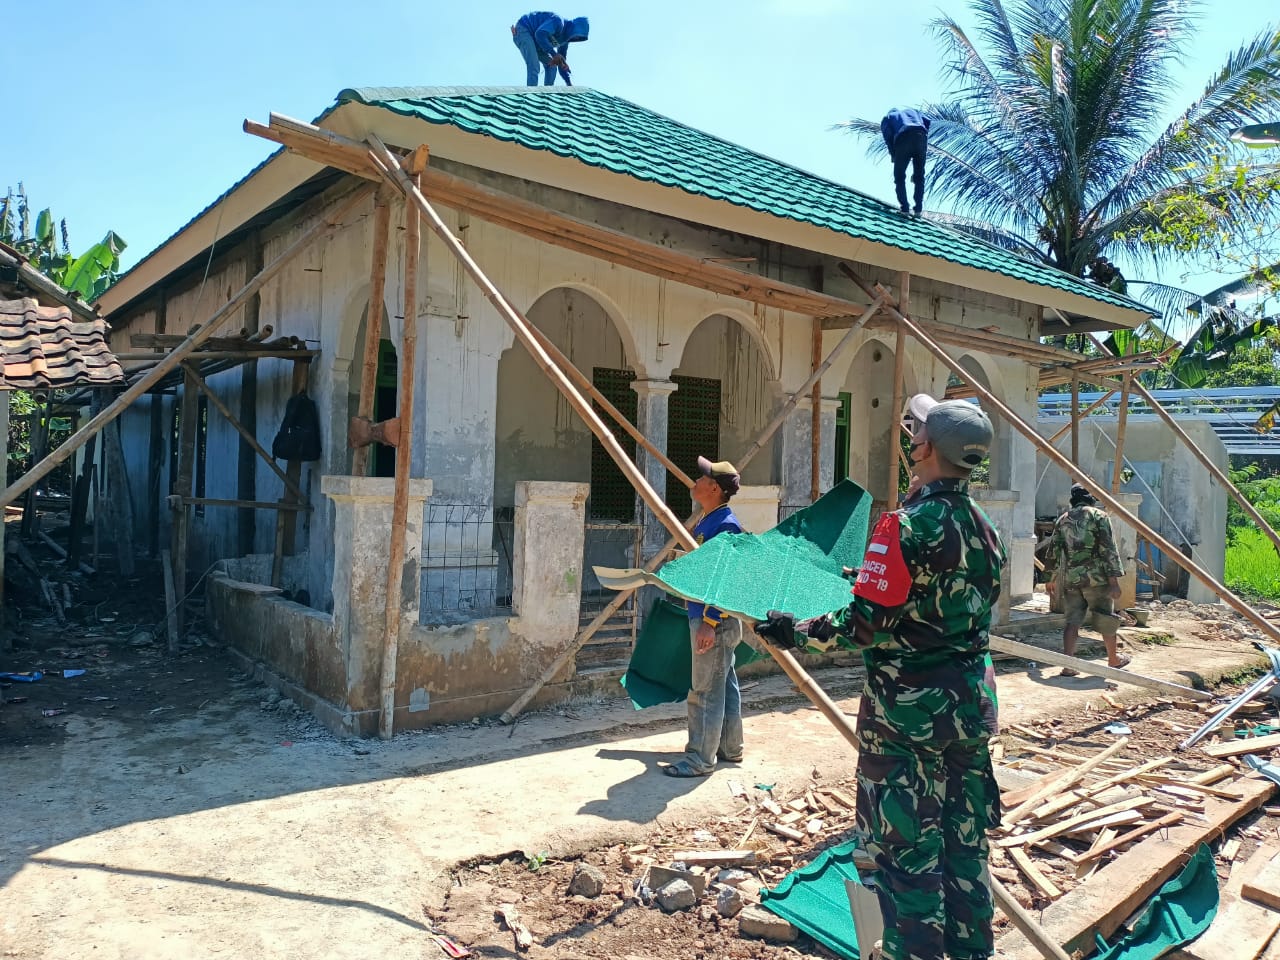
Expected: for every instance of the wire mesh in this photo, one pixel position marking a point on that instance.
(466, 562)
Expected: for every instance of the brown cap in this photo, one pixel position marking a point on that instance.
(722, 472)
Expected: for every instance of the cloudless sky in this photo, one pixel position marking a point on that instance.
(127, 116)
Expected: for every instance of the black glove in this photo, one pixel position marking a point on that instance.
(778, 630)
(819, 628)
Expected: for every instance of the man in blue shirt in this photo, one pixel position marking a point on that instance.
(543, 39)
(906, 134)
(715, 703)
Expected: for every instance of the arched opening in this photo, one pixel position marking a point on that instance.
(382, 458)
(996, 473)
(866, 444)
(539, 436)
(722, 402)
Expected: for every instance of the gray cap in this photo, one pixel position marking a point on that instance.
(958, 430)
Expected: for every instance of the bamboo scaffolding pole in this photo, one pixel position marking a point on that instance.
(815, 414)
(899, 398)
(373, 323)
(614, 605)
(1101, 493)
(1214, 470)
(327, 225)
(520, 326)
(404, 450)
(1122, 422)
(258, 448)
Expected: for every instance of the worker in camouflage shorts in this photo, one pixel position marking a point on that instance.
(921, 610)
(1085, 547)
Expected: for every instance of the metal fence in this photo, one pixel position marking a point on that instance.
(466, 562)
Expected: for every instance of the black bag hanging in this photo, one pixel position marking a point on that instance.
(299, 434)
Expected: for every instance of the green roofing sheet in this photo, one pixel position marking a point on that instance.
(605, 131)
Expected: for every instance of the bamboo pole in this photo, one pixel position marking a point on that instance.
(1083, 413)
(614, 605)
(223, 409)
(373, 323)
(1036, 935)
(327, 225)
(1214, 470)
(815, 417)
(1101, 493)
(396, 175)
(1075, 418)
(899, 398)
(404, 450)
(1122, 421)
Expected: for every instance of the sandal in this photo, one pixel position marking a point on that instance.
(1069, 672)
(726, 759)
(684, 769)
(1124, 660)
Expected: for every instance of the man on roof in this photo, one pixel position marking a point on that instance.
(906, 134)
(543, 40)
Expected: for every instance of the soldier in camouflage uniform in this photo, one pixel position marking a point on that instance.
(921, 610)
(1084, 544)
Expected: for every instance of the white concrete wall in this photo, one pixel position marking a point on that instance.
(1185, 506)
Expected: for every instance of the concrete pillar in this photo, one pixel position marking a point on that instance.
(756, 507)
(547, 574)
(795, 452)
(652, 417)
(362, 523)
(999, 506)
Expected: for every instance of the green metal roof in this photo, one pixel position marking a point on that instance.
(605, 131)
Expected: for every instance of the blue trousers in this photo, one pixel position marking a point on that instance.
(533, 66)
(715, 702)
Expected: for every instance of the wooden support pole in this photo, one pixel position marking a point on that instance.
(80, 496)
(404, 463)
(815, 419)
(121, 499)
(287, 520)
(520, 325)
(246, 466)
(373, 322)
(1214, 470)
(325, 226)
(1083, 413)
(655, 561)
(290, 483)
(188, 422)
(899, 399)
(994, 403)
(170, 601)
(1122, 421)
(1075, 418)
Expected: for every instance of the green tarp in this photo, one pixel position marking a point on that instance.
(796, 566)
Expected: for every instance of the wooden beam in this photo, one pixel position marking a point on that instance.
(1075, 419)
(1121, 423)
(1063, 782)
(188, 422)
(407, 364)
(994, 403)
(290, 484)
(245, 504)
(1234, 748)
(373, 323)
(326, 225)
(1083, 413)
(1026, 651)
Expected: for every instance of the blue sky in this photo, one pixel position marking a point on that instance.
(131, 119)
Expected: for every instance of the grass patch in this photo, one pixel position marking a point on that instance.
(1153, 639)
(1252, 565)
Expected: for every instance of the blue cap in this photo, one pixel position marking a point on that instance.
(579, 28)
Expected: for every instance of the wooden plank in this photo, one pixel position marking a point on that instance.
(1234, 748)
(1032, 873)
(717, 858)
(1026, 651)
(1102, 902)
(121, 497)
(784, 831)
(1063, 782)
(1103, 847)
(245, 504)
(1264, 888)
(1240, 931)
(1076, 823)
(1079, 794)
(170, 600)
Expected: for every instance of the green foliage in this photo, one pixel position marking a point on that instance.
(49, 249)
(1253, 566)
(1262, 491)
(536, 862)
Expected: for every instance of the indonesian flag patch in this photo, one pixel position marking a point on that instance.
(884, 578)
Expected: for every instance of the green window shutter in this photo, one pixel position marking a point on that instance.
(693, 430)
(612, 496)
(842, 437)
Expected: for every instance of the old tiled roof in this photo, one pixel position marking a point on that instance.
(614, 134)
(48, 347)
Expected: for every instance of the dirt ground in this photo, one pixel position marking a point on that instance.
(179, 809)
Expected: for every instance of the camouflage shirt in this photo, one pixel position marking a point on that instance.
(1083, 543)
(921, 611)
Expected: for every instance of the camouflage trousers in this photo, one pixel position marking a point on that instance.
(923, 812)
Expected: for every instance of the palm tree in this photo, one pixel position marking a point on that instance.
(1051, 143)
